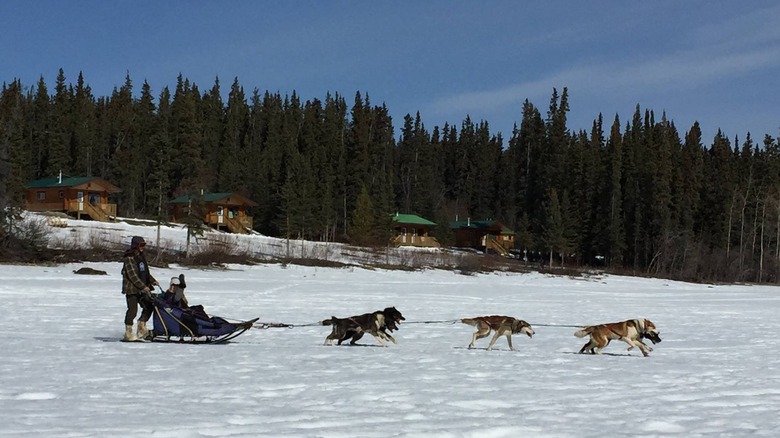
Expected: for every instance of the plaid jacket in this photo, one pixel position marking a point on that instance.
(134, 271)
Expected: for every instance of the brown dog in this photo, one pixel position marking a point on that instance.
(631, 332)
(502, 325)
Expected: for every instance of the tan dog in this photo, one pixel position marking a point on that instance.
(631, 332)
(502, 325)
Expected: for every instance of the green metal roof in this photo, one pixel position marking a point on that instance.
(411, 219)
(68, 182)
(55, 182)
(479, 225)
(210, 197)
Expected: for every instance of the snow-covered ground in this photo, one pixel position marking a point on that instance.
(716, 373)
(173, 238)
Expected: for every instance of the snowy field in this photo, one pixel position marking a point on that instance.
(716, 373)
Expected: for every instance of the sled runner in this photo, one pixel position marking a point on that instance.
(192, 325)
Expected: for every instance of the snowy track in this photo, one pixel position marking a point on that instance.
(716, 373)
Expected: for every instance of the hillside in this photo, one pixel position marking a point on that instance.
(72, 240)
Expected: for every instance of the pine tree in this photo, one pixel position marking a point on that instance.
(6, 129)
(15, 159)
(633, 208)
(318, 178)
(358, 153)
(363, 227)
(40, 134)
(333, 174)
(430, 177)
(232, 150)
(614, 192)
(126, 156)
(193, 219)
(524, 151)
(58, 158)
(266, 162)
(408, 152)
(211, 112)
(144, 145)
(459, 150)
(84, 137)
(486, 155)
(382, 147)
(719, 195)
(558, 233)
(190, 173)
(159, 181)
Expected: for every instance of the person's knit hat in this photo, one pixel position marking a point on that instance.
(137, 241)
(175, 281)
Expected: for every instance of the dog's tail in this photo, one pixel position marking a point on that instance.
(584, 332)
(328, 321)
(469, 321)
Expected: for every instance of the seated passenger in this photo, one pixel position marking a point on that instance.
(175, 297)
(175, 293)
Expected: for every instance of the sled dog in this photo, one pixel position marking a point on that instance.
(393, 317)
(502, 325)
(631, 332)
(375, 323)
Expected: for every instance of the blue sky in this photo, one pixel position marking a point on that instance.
(717, 62)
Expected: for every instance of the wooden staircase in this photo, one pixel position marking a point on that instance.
(96, 213)
(495, 245)
(236, 226)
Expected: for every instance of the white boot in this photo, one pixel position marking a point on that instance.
(142, 332)
(129, 333)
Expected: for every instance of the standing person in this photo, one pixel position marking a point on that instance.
(136, 281)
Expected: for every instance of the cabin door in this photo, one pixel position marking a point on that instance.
(80, 200)
(220, 214)
(403, 234)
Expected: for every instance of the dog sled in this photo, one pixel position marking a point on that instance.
(192, 325)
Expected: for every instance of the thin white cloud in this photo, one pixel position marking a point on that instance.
(714, 54)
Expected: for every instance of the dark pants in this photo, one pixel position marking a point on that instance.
(132, 310)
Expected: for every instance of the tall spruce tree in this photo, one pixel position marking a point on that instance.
(144, 144)
(211, 113)
(358, 151)
(126, 157)
(363, 228)
(57, 148)
(159, 181)
(40, 134)
(15, 159)
(232, 150)
(190, 174)
(615, 243)
(82, 152)
(333, 175)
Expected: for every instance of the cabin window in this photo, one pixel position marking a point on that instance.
(62, 194)
(41, 196)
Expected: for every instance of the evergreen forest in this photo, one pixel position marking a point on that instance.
(632, 194)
